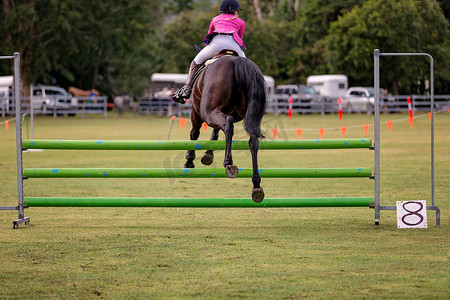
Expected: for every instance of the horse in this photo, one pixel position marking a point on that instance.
(229, 90)
(122, 104)
(83, 93)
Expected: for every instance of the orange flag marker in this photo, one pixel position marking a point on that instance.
(205, 126)
(183, 122)
(389, 125)
(299, 133)
(7, 125)
(449, 110)
(411, 121)
(321, 132)
(275, 133)
(366, 128)
(343, 130)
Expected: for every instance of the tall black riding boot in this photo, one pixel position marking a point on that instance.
(185, 92)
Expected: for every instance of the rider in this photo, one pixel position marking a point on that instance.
(225, 32)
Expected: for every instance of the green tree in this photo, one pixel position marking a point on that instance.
(180, 36)
(445, 5)
(89, 44)
(264, 43)
(306, 31)
(391, 26)
(29, 28)
(175, 7)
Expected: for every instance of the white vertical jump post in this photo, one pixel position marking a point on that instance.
(378, 207)
(17, 94)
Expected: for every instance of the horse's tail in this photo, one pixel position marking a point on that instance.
(250, 81)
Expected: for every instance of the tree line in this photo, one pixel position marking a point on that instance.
(114, 46)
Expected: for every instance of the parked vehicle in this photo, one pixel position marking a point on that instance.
(48, 98)
(302, 95)
(359, 99)
(6, 88)
(330, 86)
(310, 94)
(6, 84)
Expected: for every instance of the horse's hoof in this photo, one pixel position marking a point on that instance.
(207, 159)
(231, 171)
(258, 195)
(189, 164)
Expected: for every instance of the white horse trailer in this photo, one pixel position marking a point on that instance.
(331, 86)
(6, 85)
(6, 90)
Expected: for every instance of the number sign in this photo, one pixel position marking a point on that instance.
(412, 214)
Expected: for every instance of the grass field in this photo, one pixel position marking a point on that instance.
(214, 253)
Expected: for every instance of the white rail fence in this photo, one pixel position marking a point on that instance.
(84, 105)
(276, 104)
(280, 105)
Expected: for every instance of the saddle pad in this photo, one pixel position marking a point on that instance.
(221, 54)
(210, 61)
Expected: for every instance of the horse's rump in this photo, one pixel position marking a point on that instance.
(235, 85)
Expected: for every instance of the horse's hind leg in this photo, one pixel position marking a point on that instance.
(218, 119)
(231, 170)
(195, 133)
(208, 156)
(257, 192)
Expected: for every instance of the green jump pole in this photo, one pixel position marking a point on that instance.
(194, 145)
(192, 173)
(197, 202)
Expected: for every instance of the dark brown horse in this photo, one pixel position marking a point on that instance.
(230, 90)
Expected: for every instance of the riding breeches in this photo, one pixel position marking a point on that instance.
(219, 43)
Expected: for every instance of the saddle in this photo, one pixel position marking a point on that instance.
(221, 53)
(216, 56)
(177, 96)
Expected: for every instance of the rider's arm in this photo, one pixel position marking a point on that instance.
(211, 27)
(241, 30)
